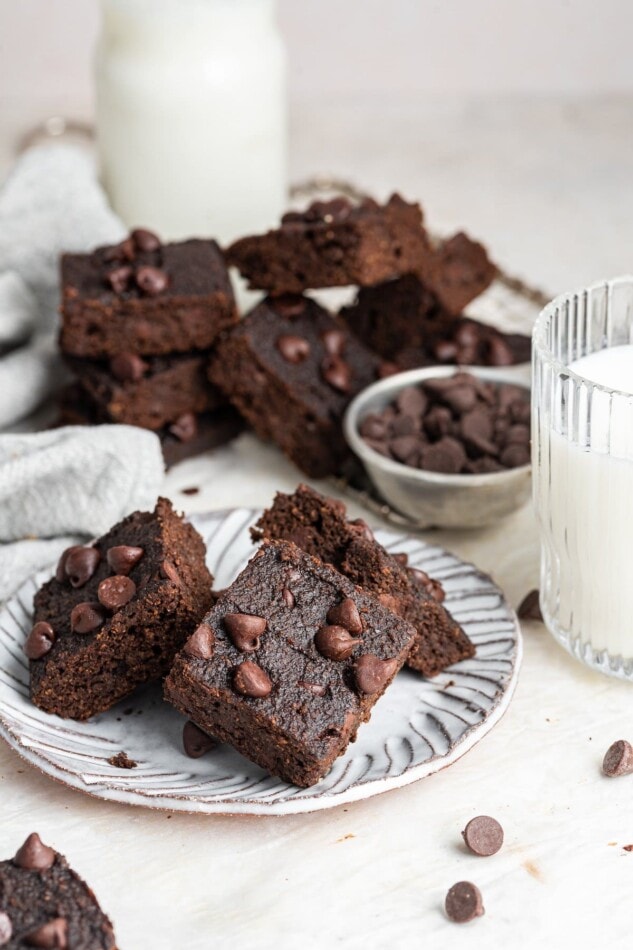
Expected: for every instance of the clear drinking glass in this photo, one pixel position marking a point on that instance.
(583, 476)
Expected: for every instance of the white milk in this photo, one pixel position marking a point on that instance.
(588, 530)
(191, 115)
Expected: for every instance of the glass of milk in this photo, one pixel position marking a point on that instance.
(191, 115)
(582, 458)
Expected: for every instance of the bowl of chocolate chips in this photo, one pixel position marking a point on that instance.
(446, 447)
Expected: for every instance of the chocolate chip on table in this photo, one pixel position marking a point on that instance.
(86, 617)
(145, 240)
(169, 572)
(530, 608)
(249, 679)
(128, 367)
(463, 902)
(371, 674)
(120, 278)
(201, 643)
(335, 642)
(185, 428)
(123, 557)
(80, 564)
(6, 928)
(483, 836)
(52, 935)
(34, 855)
(346, 615)
(151, 280)
(334, 341)
(618, 759)
(336, 373)
(293, 348)
(39, 641)
(245, 631)
(196, 742)
(116, 591)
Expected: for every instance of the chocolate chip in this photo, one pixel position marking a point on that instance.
(318, 689)
(373, 427)
(437, 422)
(499, 352)
(123, 251)
(401, 557)
(460, 398)
(371, 674)
(618, 759)
(446, 456)
(483, 836)
(335, 642)
(477, 431)
(249, 679)
(196, 742)
(60, 570)
(517, 434)
(34, 855)
(245, 631)
(151, 280)
(294, 349)
(515, 455)
(288, 598)
(84, 618)
(463, 903)
(80, 565)
(530, 608)
(435, 590)
(145, 240)
(201, 643)
(119, 278)
(418, 576)
(363, 528)
(406, 449)
(169, 572)
(6, 928)
(345, 615)
(39, 641)
(116, 591)
(336, 373)
(185, 428)
(128, 367)
(50, 936)
(123, 557)
(334, 341)
(289, 305)
(412, 400)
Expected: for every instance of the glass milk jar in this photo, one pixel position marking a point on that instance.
(191, 115)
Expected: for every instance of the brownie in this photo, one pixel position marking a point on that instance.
(149, 392)
(143, 297)
(289, 663)
(291, 369)
(404, 322)
(116, 612)
(333, 244)
(44, 903)
(457, 271)
(318, 525)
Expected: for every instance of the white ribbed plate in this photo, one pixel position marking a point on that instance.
(417, 727)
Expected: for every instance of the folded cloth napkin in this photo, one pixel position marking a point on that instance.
(68, 485)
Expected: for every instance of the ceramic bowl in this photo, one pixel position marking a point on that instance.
(431, 499)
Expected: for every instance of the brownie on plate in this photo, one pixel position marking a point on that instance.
(318, 525)
(289, 663)
(44, 903)
(333, 244)
(144, 297)
(291, 369)
(116, 613)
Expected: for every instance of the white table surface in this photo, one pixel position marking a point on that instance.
(548, 185)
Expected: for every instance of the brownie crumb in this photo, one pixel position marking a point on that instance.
(190, 491)
(530, 608)
(122, 761)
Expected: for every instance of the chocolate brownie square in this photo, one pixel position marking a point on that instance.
(116, 612)
(44, 903)
(458, 271)
(144, 297)
(334, 244)
(289, 663)
(291, 369)
(318, 525)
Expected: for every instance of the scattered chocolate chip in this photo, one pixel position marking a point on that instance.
(122, 761)
(463, 902)
(618, 759)
(128, 367)
(151, 280)
(317, 688)
(39, 641)
(530, 608)
(334, 341)
(249, 679)
(80, 565)
(119, 278)
(289, 305)
(294, 349)
(201, 643)
(123, 557)
(185, 428)
(116, 591)
(371, 674)
(336, 373)
(335, 642)
(245, 631)
(196, 742)
(145, 240)
(483, 836)
(345, 615)
(169, 572)
(50, 936)
(6, 928)
(34, 855)
(288, 598)
(84, 618)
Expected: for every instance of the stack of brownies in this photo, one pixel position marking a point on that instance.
(140, 320)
